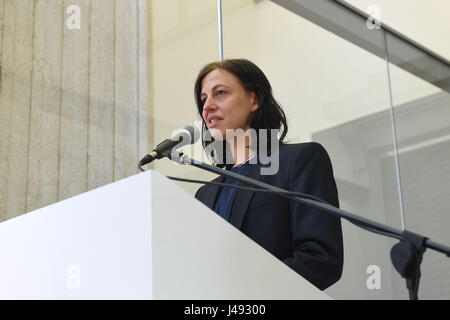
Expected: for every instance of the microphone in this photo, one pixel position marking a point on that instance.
(189, 134)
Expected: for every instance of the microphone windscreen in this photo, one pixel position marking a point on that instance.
(193, 132)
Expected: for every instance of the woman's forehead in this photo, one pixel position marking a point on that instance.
(219, 76)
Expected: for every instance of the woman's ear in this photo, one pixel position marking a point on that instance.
(255, 102)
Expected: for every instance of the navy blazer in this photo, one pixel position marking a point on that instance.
(306, 239)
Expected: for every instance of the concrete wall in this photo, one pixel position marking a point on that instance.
(73, 101)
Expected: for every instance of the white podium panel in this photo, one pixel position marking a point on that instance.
(93, 246)
(139, 238)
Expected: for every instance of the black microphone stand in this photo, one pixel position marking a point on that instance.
(406, 255)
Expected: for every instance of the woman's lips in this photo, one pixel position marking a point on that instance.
(214, 120)
(214, 123)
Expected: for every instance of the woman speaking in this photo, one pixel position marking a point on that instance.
(234, 98)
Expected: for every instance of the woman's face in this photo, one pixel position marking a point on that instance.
(226, 104)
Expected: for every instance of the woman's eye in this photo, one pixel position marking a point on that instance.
(220, 92)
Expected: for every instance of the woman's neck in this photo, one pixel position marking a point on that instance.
(241, 149)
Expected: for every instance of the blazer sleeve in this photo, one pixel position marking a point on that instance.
(316, 235)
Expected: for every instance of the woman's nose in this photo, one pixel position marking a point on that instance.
(209, 104)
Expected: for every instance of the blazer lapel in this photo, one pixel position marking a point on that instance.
(212, 193)
(243, 198)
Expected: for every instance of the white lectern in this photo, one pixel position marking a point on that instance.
(138, 238)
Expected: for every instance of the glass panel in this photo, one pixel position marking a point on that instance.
(334, 93)
(422, 113)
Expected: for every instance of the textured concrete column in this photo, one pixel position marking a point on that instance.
(73, 101)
